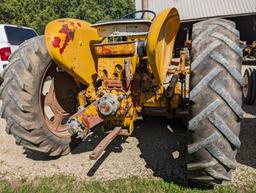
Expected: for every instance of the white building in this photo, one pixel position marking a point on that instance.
(199, 9)
(243, 12)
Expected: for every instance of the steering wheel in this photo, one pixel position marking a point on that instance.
(132, 15)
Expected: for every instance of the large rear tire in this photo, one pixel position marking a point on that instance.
(22, 100)
(216, 95)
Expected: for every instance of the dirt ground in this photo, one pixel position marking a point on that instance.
(138, 155)
(159, 153)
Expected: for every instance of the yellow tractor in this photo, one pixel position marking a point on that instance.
(77, 76)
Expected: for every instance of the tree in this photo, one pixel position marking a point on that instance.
(37, 13)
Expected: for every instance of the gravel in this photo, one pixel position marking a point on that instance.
(148, 152)
(153, 150)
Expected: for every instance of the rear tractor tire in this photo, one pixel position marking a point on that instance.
(34, 111)
(216, 95)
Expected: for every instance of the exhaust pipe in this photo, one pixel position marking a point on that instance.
(144, 4)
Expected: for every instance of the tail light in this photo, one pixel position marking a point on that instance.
(5, 53)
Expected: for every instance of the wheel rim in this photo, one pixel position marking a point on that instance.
(58, 100)
(246, 85)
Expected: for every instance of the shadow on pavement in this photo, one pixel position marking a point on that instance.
(163, 150)
(247, 153)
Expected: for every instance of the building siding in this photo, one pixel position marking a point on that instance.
(197, 9)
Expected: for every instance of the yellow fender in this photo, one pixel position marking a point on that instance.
(160, 42)
(69, 42)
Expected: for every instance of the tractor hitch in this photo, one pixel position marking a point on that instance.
(104, 143)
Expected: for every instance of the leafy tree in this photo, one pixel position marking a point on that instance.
(37, 13)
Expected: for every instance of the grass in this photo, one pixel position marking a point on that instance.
(65, 184)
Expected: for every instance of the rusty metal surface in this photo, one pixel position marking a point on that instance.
(55, 125)
(104, 143)
(171, 87)
(115, 49)
(89, 116)
(60, 99)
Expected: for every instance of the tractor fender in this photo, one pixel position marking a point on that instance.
(69, 43)
(160, 42)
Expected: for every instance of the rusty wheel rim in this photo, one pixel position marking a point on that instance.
(246, 85)
(58, 100)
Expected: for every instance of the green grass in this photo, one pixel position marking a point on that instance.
(65, 184)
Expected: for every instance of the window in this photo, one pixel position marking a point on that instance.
(17, 35)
